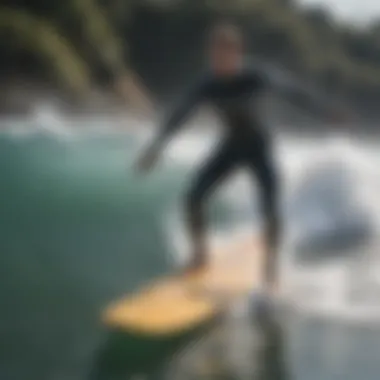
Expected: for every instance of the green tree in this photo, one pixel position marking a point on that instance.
(42, 38)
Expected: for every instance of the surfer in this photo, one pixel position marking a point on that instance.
(233, 88)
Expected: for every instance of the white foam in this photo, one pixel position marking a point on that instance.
(321, 291)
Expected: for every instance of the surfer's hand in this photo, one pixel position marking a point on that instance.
(148, 159)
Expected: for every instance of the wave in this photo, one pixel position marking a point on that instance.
(77, 203)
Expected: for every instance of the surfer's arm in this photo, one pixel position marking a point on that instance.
(181, 112)
(172, 123)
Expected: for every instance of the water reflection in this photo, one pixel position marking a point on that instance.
(238, 348)
(272, 361)
(233, 348)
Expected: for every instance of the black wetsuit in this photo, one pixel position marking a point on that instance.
(245, 141)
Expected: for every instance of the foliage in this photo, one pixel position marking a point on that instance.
(88, 41)
(46, 29)
(46, 41)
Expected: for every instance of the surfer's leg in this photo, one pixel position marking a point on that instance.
(271, 213)
(210, 175)
(262, 165)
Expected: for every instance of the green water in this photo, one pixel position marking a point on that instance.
(78, 230)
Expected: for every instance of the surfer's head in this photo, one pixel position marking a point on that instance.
(225, 48)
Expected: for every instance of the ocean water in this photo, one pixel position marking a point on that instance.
(79, 228)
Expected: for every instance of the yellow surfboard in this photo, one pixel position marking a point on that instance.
(179, 303)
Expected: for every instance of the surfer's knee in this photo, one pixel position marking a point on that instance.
(193, 205)
(269, 184)
(192, 200)
(270, 205)
(196, 196)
